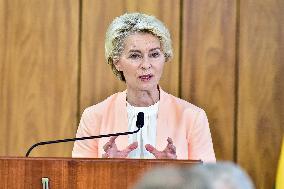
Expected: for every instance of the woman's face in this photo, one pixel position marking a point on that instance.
(142, 61)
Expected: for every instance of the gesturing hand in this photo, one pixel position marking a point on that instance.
(111, 150)
(168, 153)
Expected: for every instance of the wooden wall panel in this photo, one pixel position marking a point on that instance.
(261, 88)
(208, 66)
(38, 70)
(98, 81)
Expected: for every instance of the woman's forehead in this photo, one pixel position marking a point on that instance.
(143, 41)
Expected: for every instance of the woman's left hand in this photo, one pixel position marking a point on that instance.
(168, 153)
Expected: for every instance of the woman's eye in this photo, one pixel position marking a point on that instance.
(155, 54)
(134, 56)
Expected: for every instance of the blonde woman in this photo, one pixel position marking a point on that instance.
(137, 46)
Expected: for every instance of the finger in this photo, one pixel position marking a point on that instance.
(171, 145)
(170, 140)
(172, 148)
(105, 155)
(152, 150)
(112, 139)
(109, 144)
(130, 148)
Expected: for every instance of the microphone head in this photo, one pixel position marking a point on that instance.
(140, 120)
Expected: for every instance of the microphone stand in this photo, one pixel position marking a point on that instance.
(81, 138)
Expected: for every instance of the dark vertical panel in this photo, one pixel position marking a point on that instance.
(261, 88)
(208, 66)
(38, 70)
(98, 81)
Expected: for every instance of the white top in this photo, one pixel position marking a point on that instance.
(147, 135)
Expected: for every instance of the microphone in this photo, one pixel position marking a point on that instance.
(139, 125)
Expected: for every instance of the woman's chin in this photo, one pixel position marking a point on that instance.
(143, 86)
(148, 86)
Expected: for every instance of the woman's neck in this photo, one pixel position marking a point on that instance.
(142, 98)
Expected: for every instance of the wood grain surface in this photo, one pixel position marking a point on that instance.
(38, 73)
(208, 66)
(78, 173)
(261, 88)
(98, 81)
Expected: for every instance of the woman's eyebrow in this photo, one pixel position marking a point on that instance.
(133, 50)
(155, 49)
(138, 51)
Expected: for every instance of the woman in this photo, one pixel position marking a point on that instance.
(137, 46)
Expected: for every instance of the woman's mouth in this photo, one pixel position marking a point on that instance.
(146, 77)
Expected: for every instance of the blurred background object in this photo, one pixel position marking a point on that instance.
(280, 170)
(220, 175)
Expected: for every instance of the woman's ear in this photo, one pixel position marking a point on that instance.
(116, 63)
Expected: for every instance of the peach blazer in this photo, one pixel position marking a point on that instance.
(185, 123)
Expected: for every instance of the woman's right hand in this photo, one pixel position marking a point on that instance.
(111, 150)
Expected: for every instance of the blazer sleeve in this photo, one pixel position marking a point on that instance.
(86, 148)
(200, 144)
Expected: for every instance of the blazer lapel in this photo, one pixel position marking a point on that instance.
(162, 123)
(121, 120)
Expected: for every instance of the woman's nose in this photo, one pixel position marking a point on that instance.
(146, 64)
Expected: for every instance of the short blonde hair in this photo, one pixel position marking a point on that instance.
(131, 23)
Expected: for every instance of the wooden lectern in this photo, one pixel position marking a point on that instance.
(60, 173)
